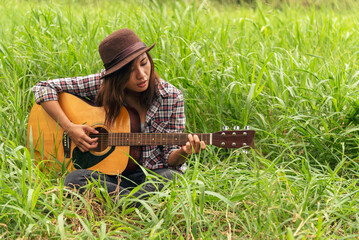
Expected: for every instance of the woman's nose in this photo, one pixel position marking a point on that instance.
(141, 73)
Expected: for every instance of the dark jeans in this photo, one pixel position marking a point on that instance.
(119, 186)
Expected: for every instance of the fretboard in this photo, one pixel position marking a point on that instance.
(140, 139)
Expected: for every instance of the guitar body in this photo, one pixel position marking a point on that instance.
(48, 139)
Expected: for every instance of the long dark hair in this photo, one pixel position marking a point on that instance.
(112, 92)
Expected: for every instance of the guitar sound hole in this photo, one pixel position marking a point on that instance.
(102, 139)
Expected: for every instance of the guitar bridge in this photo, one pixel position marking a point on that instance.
(66, 143)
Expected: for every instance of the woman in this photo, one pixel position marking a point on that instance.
(129, 79)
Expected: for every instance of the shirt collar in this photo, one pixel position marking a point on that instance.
(160, 90)
(103, 72)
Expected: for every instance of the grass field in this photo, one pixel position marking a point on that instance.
(289, 71)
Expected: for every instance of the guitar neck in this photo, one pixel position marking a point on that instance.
(141, 139)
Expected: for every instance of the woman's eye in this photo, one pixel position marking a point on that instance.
(143, 63)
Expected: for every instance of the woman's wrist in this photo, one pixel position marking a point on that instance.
(67, 126)
(177, 157)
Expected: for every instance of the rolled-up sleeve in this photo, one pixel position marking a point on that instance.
(176, 124)
(86, 87)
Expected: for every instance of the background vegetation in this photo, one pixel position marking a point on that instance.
(289, 69)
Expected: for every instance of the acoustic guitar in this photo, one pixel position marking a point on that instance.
(117, 147)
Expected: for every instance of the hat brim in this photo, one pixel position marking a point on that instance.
(126, 61)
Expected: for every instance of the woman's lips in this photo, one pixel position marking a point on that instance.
(142, 84)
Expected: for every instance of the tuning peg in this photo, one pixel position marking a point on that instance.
(245, 151)
(225, 128)
(236, 128)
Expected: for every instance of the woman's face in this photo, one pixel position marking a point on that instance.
(140, 74)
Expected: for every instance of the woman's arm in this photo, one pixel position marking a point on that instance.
(85, 87)
(178, 156)
(46, 94)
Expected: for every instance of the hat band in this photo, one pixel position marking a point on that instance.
(124, 54)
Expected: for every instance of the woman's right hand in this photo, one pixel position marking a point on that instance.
(77, 133)
(79, 136)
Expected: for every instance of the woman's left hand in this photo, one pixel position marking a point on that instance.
(194, 145)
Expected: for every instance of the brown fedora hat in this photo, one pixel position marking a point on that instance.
(119, 48)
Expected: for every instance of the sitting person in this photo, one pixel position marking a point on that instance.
(129, 79)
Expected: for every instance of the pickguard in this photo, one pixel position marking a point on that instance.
(84, 160)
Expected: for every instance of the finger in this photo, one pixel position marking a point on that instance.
(92, 140)
(187, 148)
(190, 139)
(88, 139)
(89, 129)
(86, 146)
(81, 148)
(196, 138)
(203, 145)
(197, 144)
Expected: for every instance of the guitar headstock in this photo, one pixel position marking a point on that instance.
(234, 139)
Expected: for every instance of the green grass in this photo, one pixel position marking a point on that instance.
(290, 71)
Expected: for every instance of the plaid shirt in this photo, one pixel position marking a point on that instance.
(165, 115)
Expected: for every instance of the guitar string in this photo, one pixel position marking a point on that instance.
(126, 138)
